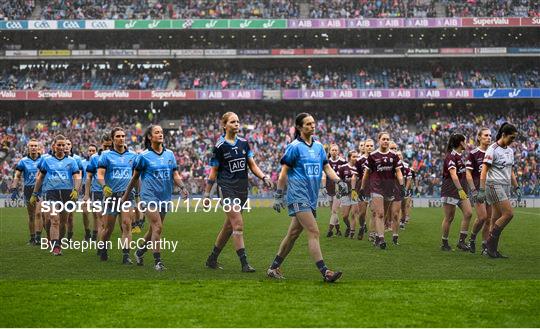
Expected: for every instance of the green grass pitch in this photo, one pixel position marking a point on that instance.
(413, 284)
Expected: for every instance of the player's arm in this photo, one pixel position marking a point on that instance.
(77, 180)
(470, 182)
(514, 180)
(178, 181)
(16, 179)
(101, 176)
(323, 179)
(210, 181)
(87, 185)
(282, 180)
(483, 175)
(365, 179)
(39, 182)
(408, 182)
(330, 173)
(455, 179)
(258, 172)
(132, 183)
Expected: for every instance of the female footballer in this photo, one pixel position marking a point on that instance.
(231, 161)
(302, 166)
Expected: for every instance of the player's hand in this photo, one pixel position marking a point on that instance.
(324, 193)
(86, 197)
(74, 195)
(473, 195)
(518, 193)
(481, 196)
(33, 199)
(462, 194)
(402, 191)
(14, 194)
(268, 182)
(107, 191)
(279, 201)
(354, 195)
(184, 192)
(207, 203)
(409, 193)
(342, 189)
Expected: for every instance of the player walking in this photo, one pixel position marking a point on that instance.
(231, 161)
(453, 193)
(157, 169)
(474, 168)
(496, 180)
(335, 161)
(349, 202)
(27, 167)
(302, 167)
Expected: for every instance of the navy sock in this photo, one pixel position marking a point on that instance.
(94, 235)
(141, 251)
(215, 252)
(125, 251)
(242, 255)
(157, 257)
(322, 267)
(277, 262)
(38, 236)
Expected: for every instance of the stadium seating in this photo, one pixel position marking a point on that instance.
(329, 78)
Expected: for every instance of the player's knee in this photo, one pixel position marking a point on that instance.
(508, 214)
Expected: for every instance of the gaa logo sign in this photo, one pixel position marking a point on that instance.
(41, 25)
(100, 25)
(71, 25)
(15, 25)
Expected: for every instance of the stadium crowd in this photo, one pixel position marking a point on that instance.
(421, 135)
(158, 76)
(162, 9)
(181, 9)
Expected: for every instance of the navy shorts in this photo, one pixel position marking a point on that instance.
(227, 193)
(28, 190)
(58, 195)
(112, 207)
(96, 196)
(300, 207)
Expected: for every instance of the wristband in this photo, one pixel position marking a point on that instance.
(210, 181)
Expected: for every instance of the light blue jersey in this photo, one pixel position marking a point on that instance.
(58, 172)
(118, 168)
(156, 174)
(306, 164)
(29, 168)
(92, 168)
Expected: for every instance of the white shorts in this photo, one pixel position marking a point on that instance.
(377, 195)
(450, 200)
(346, 201)
(497, 193)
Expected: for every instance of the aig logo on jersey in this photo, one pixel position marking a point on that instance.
(312, 169)
(237, 165)
(121, 174)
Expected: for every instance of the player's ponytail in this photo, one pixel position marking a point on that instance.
(454, 141)
(104, 138)
(505, 129)
(148, 137)
(299, 122)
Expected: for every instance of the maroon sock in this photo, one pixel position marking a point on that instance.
(493, 240)
(462, 237)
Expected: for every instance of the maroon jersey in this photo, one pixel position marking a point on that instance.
(335, 164)
(382, 175)
(360, 167)
(346, 173)
(474, 164)
(453, 160)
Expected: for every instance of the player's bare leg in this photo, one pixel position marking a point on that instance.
(31, 211)
(503, 214)
(345, 212)
(362, 211)
(127, 217)
(466, 209)
(449, 213)
(378, 210)
(395, 211)
(221, 240)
